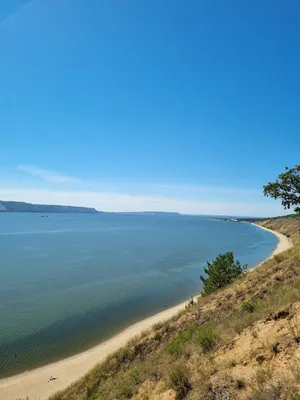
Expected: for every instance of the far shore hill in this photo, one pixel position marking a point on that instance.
(19, 206)
(23, 207)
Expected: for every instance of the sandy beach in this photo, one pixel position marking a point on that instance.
(35, 383)
(284, 242)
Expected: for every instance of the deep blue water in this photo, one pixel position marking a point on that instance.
(71, 280)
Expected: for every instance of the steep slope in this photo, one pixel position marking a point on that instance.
(289, 226)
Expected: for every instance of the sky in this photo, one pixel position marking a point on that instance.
(188, 106)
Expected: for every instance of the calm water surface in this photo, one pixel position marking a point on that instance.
(69, 281)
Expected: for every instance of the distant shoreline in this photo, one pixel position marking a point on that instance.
(23, 207)
(34, 383)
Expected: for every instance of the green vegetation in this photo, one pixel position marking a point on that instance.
(126, 386)
(248, 306)
(286, 188)
(179, 380)
(221, 272)
(175, 346)
(240, 384)
(207, 336)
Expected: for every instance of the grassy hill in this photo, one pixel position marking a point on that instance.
(242, 342)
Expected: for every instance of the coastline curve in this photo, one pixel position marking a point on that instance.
(35, 383)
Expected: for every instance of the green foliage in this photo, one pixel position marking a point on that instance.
(135, 375)
(240, 384)
(221, 272)
(179, 380)
(248, 306)
(206, 336)
(174, 347)
(126, 388)
(127, 384)
(286, 188)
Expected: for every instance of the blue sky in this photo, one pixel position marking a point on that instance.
(186, 106)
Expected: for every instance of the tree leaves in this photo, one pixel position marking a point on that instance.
(286, 187)
(221, 272)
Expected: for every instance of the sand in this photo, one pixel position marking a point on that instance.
(35, 383)
(284, 242)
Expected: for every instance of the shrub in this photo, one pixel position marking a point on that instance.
(240, 384)
(274, 348)
(221, 272)
(127, 384)
(126, 388)
(206, 336)
(157, 326)
(279, 257)
(179, 380)
(191, 303)
(134, 375)
(248, 306)
(174, 347)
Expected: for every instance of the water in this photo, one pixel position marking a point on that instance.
(71, 280)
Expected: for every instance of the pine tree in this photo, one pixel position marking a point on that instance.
(221, 272)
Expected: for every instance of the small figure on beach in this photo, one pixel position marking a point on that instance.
(52, 378)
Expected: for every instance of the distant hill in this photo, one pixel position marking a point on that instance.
(18, 206)
(149, 213)
(2, 208)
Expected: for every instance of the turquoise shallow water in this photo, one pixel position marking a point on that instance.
(69, 281)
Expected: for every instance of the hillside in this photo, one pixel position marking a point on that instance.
(18, 206)
(289, 226)
(240, 343)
